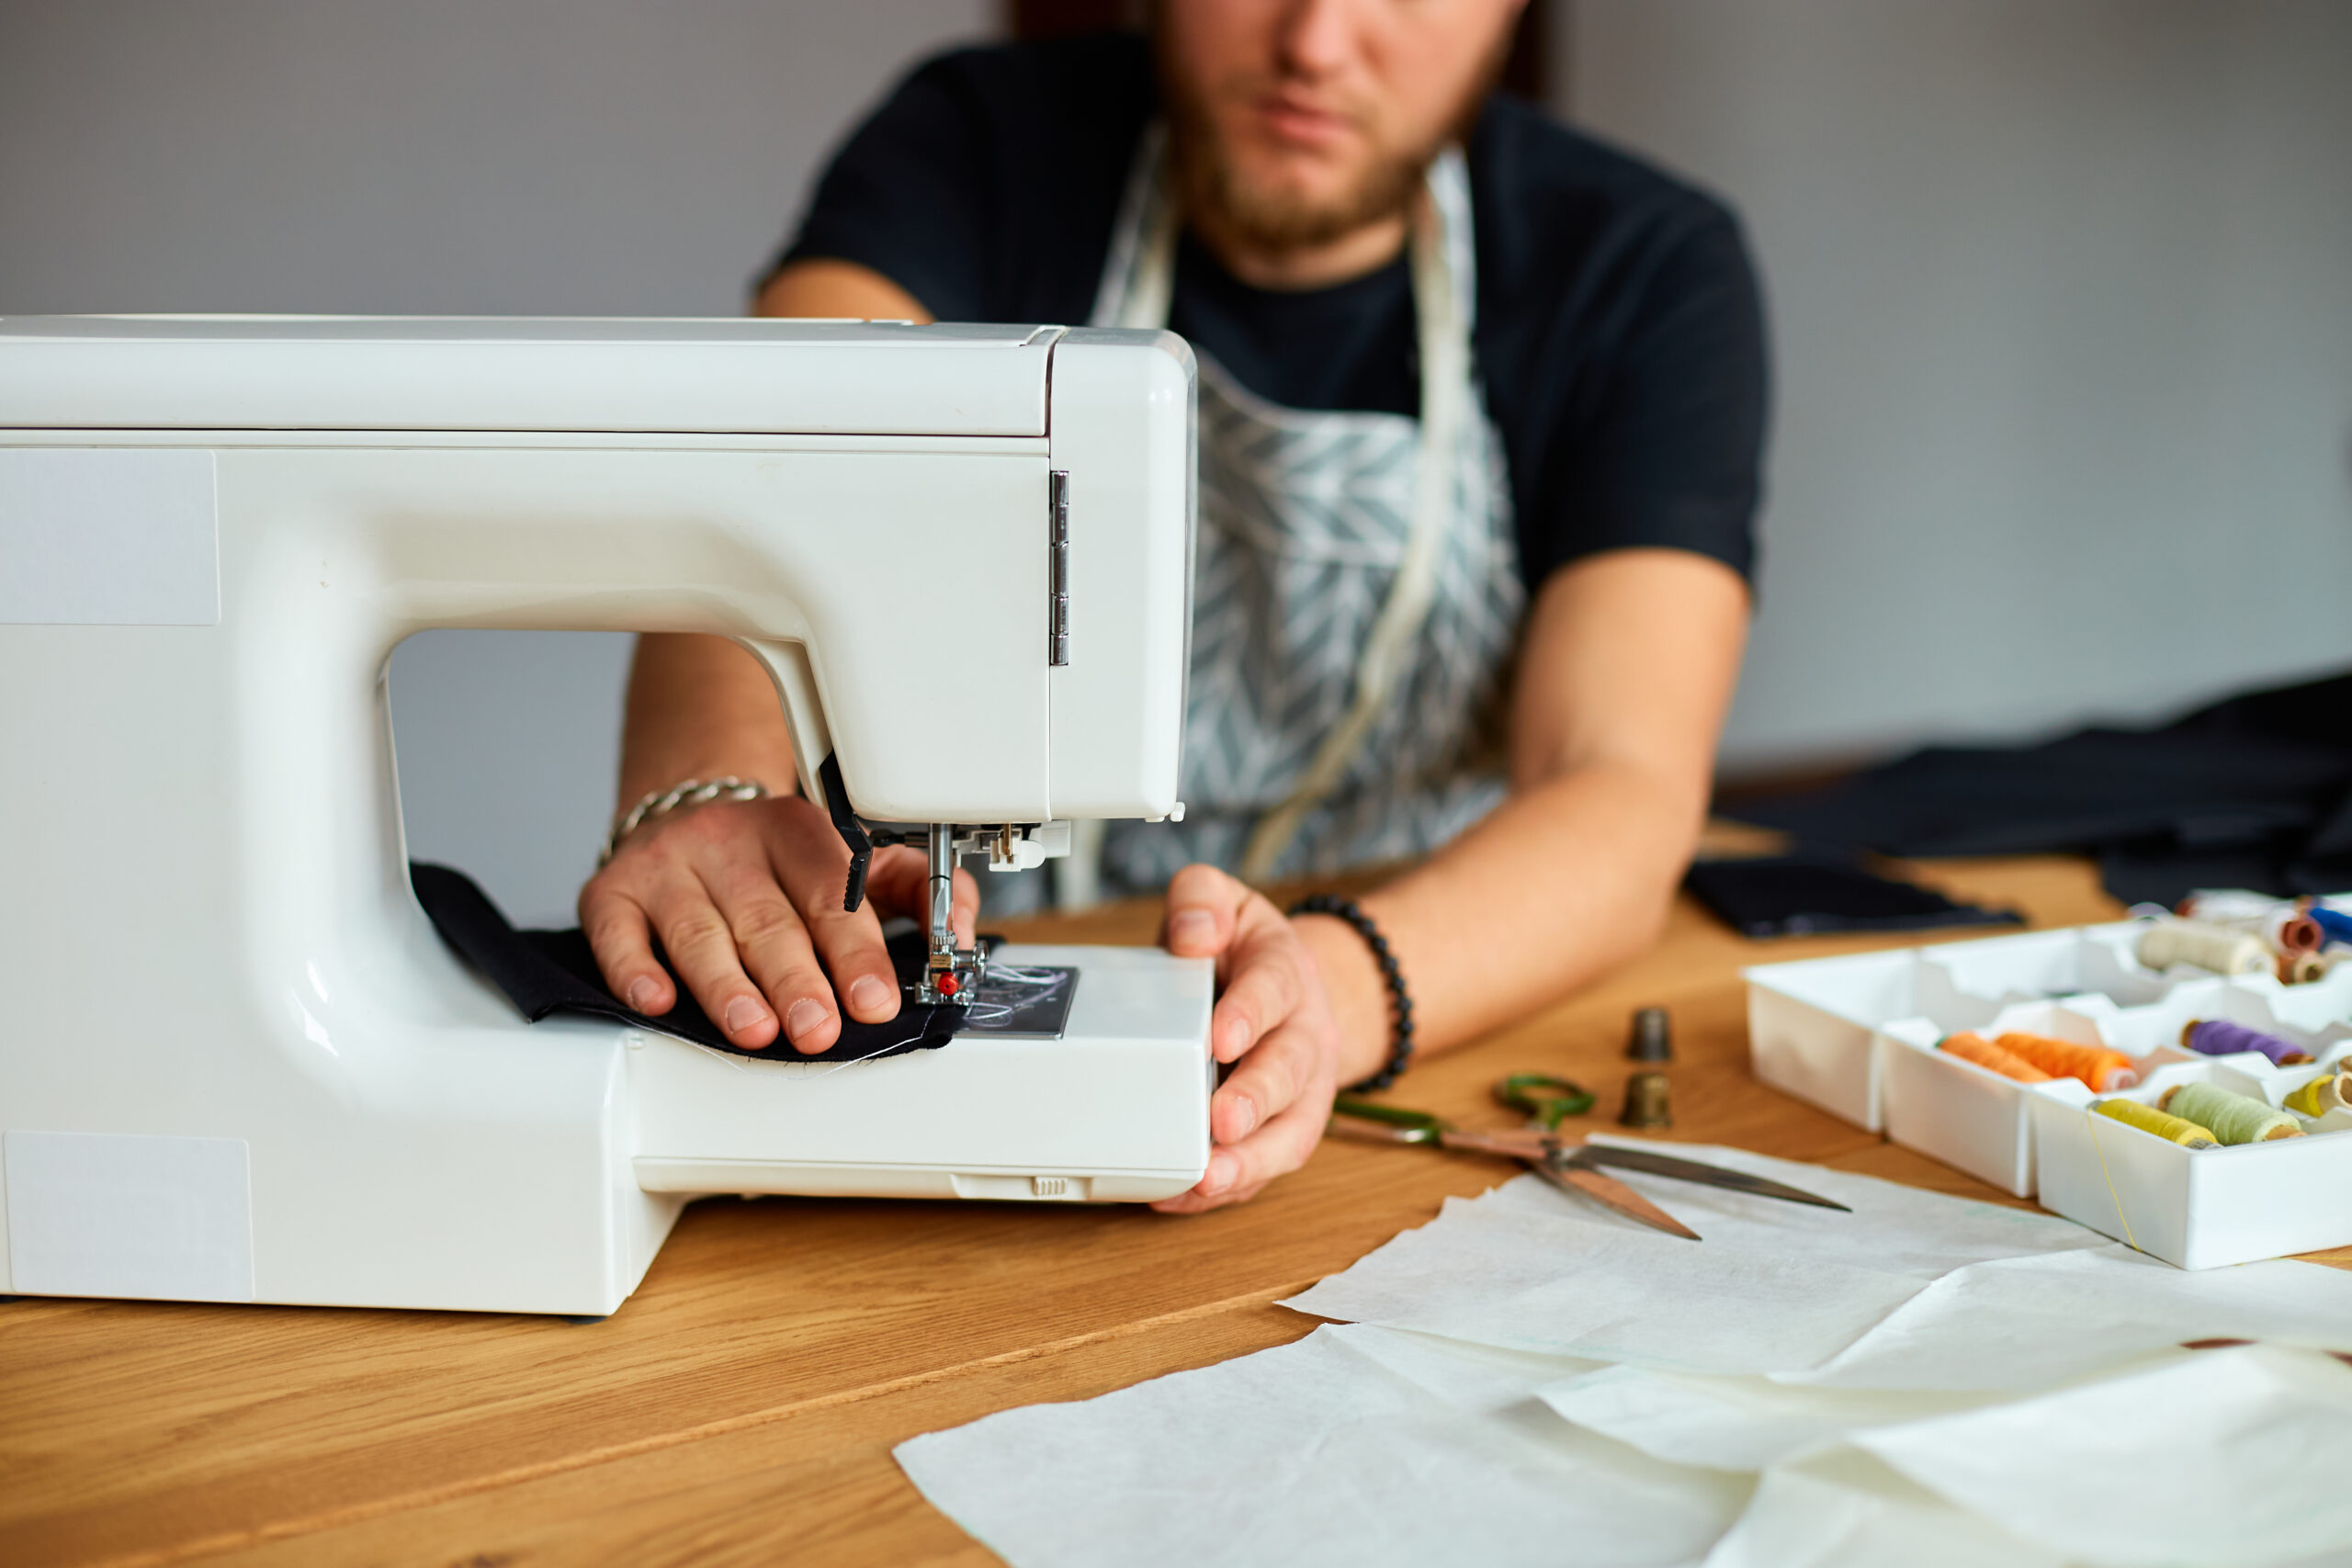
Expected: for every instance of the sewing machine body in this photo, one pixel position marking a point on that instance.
(238, 1063)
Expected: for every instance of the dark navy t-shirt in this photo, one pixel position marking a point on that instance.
(1619, 343)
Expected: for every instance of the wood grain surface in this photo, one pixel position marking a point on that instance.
(742, 1405)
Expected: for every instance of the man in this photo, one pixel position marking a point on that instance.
(1481, 408)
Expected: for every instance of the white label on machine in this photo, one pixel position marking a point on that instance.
(114, 1214)
(101, 536)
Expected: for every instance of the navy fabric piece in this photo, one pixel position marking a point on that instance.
(544, 972)
(2253, 792)
(1806, 894)
(1619, 335)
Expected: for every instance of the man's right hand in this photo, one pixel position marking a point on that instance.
(745, 899)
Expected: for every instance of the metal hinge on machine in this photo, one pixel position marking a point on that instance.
(1058, 603)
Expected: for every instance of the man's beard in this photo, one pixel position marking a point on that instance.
(1272, 217)
(1276, 218)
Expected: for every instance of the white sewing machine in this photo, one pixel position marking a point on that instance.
(238, 1064)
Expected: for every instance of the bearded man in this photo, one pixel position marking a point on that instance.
(1481, 411)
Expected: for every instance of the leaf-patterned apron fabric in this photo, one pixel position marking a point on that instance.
(1306, 520)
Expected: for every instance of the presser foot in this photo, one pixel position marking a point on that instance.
(953, 978)
(951, 974)
(1006, 1001)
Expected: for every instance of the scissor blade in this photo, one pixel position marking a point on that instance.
(1566, 1174)
(1374, 1132)
(1652, 1163)
(1517, 1143)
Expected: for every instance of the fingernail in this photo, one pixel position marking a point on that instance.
(805, 1015)
(1218, 1177)
(1244, 1116)
(1191, 928)
(869, 995)
(641, 992)
(1235, 1033)
(743, 1014)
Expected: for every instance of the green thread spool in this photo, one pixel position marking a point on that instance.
(2235, 1118)
(2329, 1091)
(2148, 1119)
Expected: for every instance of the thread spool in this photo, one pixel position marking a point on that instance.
(2285, 927)
(2299, 933)
(1646, 1102)
(2220, 1037)
(2333, 927)
(2148, 1119)
(1653, 1037)
(2102, 1070)
(2329, 1091)
(1970, 1046)
(2217, 948)
(2233, 1118)
(2301, 968)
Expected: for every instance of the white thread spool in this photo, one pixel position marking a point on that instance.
(2280, 922)
(2223, 952)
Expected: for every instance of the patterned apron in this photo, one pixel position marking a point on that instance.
(1356, 596)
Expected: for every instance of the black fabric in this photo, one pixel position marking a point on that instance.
(2253, 791)
(1806, 894)
(544, 972)
(1620, 337)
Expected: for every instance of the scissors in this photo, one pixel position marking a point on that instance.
(1571, 1165)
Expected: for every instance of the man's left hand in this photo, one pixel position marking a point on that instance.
(1273, 1018)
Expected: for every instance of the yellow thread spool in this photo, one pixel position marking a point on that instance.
(2329, 1091)
(2148, 1119)
(2233, 1118)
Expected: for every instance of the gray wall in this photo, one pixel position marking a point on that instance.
(526, 156)
(2061, 296)
(2062, 288)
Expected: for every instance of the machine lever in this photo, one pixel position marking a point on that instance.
(852, 831)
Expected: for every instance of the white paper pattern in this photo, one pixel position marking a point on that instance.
(1354, 1446)
(1912, 1290)
(1844, 1510)
(1732, 1423)
(2223, 1457)
(1925, 1381)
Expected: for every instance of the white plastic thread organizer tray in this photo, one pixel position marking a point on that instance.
(1857, 1037)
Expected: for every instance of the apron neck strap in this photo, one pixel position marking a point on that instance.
(1138, 284)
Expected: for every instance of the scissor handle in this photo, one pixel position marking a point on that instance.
(1425, 1126)
(1522, 1092)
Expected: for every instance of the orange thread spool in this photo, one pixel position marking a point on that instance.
(2104, 1070)
(1970, 1046)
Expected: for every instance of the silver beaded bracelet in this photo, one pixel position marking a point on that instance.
(661, 802)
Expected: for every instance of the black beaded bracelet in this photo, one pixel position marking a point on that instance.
(1400, 1004)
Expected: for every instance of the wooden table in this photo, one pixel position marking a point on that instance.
(742, 1405)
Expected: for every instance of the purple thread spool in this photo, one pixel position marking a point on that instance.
(2220, 1037)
